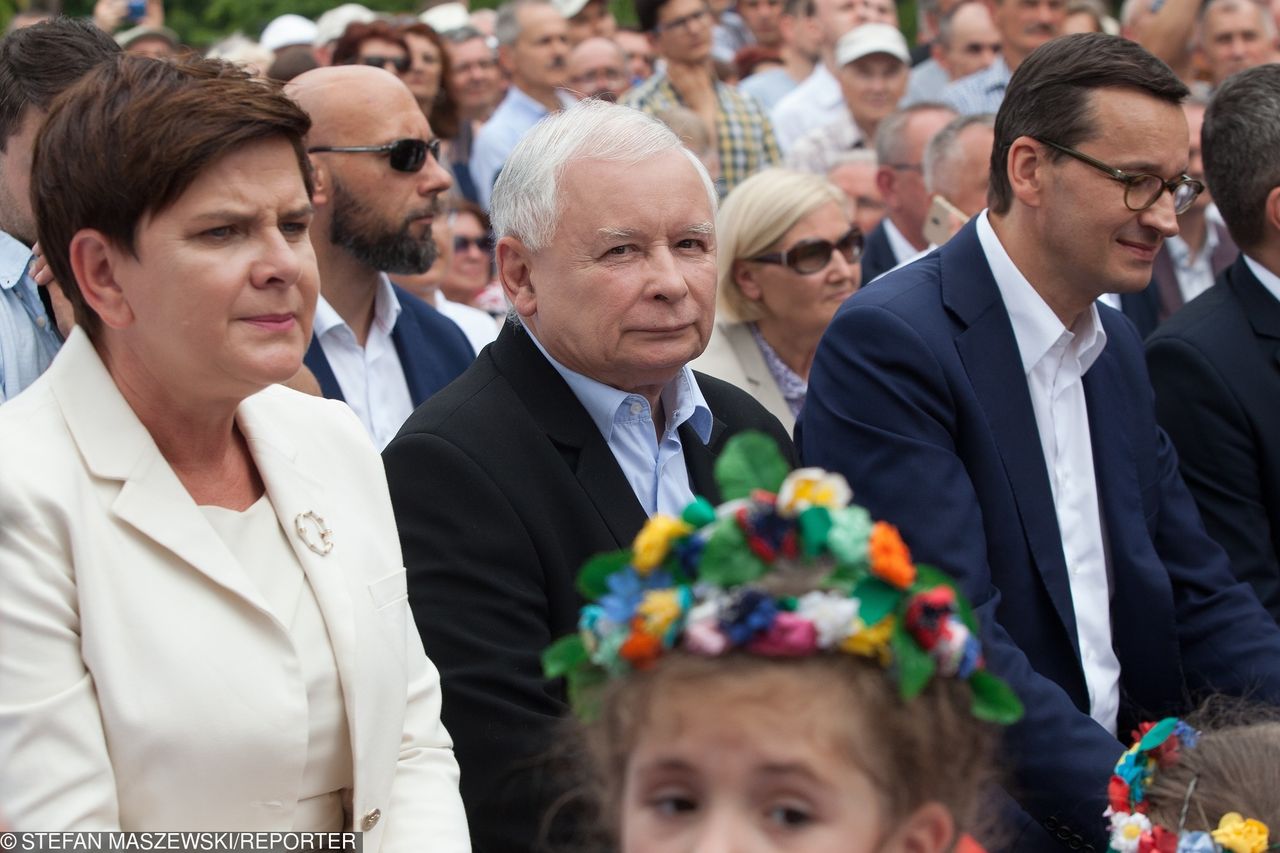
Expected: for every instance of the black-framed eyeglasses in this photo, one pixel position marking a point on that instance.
(400, 64)
(1141, 190)
(810, 256)
(684, 22)
(403, 155)
(462, 243)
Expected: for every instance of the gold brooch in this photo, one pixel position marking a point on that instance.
(304, 524)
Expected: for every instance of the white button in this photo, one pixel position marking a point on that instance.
(637, 408)
(42, 322)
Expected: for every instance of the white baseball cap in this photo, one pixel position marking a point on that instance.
(446, 17)
(871, 38)
(288, 30)
(332, 24)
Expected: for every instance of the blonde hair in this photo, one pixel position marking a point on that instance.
(755, 216)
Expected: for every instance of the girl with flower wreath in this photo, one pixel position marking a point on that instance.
(776, 674)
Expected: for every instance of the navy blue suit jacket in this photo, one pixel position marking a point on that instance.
(877, 254)
(918, 396)
(433, 351)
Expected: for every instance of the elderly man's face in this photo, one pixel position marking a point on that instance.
(872, 86)
(625, 292)
(1234, 38)
(539, 56)
(1026, 24)
(974, 42)
(474, 69)
(858, 181)
(597, 70)
(969, 170)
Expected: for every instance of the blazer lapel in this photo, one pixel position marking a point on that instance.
(989, 351)
(1262, 309)
(406, 335)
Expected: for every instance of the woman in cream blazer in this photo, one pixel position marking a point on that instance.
(149, 677)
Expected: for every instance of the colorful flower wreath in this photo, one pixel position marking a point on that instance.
(1158, 746)
(787, 567)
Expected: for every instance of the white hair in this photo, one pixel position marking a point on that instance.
(526, 201)
(942, 154)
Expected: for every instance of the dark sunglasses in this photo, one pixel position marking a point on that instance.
(399, 63)
(810, 256)
(403, 155)
(484, 244)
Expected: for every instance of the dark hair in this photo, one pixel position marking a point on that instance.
(291, 61)
(444, 112)
(39, 62)
(897, 744)
(462, 205)
(128, 140)
(1239, 140)
(1048, 96)
(647, 13)
(347, 49)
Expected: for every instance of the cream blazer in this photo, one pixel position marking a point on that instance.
(733, 355)
(144, 684)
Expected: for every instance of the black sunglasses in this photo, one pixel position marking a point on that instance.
(810, 256)
(403, 155)
(399, 63)
(484, 244)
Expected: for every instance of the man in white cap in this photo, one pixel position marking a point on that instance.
(288, 31)
(587, 19)
(873, 65)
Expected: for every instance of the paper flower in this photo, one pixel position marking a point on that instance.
(1238, 835)
(660, 609)
(704, 638)
(747, 613)
(640, 649)
(890, 559)
(1196, 842)
(653, 542)
(833, 615)
(789, 635)
(871, 642)
(626, 588)
(1127, 830)
(810, 487)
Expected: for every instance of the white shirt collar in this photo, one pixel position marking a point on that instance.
(15, 256)
(1180, 252)
(386, 310)
(1035, 327)
(902, 248)
(1269, 279)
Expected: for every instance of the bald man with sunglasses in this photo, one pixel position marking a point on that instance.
(378, 180)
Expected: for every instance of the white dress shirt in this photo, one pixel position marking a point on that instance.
(1055, 359)
(371, 377)
(1194, 273)
(903, 251)
(817, 101)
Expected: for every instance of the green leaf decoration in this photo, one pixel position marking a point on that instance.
(1157, 734)
(847, 540)
(993, 700)
(586, 689)
(563, 656)
(591, 580)
(698, 514)
(815, 524)
(928, 577)
(915, 666)
(750, 460)
(878, 599)
(727, 561)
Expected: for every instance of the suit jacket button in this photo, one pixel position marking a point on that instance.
(370, 820)
(1051, 822)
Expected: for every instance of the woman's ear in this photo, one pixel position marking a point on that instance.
(95, 261)
(744, 276)
(929, 829)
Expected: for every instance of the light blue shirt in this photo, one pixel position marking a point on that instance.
(768, 87)
(980, 92)
(29, 338)
(656, 471)
(493, 144)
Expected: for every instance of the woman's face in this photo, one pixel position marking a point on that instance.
(221, 288)
(423, 76)
(799, 302)
(469, 272)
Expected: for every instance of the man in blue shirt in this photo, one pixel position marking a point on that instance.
(36, 64)
(1024, 25)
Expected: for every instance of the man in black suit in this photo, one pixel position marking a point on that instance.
(578, 423)
(1216, 363)
(900, 142)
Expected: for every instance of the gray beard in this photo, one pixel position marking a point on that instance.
(354, 227)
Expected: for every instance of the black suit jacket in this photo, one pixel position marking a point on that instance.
(1162, 298)
(877, 254)
(503, 487)
(1216, 370)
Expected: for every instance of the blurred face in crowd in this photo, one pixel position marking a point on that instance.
(425, 68)
(236, 241)
(1026, 24)
(639, 51)
(974, 42)
(382, 54)
(1195, 160)
(592, 21)
(597, 70)
(477, 83)
(797, 303)
(156, 47)
(1080, 22)
(472, 265)
(538, 60)
(876, 12)
(835, 18)
(625, 291)
(872, 86)
(683, 33)
(858, 181)
(763, 18)
(902, 182)
(16, 216)
(1233, 37)
(968, 170)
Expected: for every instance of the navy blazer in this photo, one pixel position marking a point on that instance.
(433, 351)
(877, 254)
(918, 396)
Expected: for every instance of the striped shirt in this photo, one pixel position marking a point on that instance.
(980, 92)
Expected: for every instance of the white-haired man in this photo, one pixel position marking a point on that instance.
(578, 423)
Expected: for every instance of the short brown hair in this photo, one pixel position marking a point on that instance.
(1048, 96)
(347, 50)
(444, 112)
(128, 140)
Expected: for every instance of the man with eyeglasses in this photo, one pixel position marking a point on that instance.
(1024, 25)
(681, 33)
(378, 180)
(984, 401)
(967, 43)
(1215, 364)
(598, 69)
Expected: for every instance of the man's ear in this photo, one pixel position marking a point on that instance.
(321, 183)
(95, 262)
(886, 179)
(1273, 210)
(744, 276)
(505, 60)
(1026, 167)
(515, 268)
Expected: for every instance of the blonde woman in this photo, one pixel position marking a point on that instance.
(788, 257)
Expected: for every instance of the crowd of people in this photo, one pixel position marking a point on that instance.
(446, 426)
